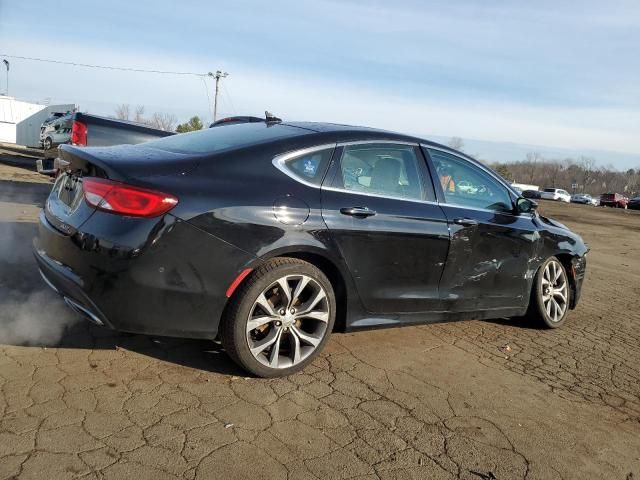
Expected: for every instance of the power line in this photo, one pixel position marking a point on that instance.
(226, 94)
(206, 87)
(104, 67)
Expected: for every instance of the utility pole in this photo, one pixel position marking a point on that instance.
(218, 75)
(6, 64)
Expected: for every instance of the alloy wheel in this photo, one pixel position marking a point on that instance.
(555, 291)
(288, 321)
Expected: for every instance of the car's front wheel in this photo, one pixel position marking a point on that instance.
(550, 295)
(47, 143)
(280, 318)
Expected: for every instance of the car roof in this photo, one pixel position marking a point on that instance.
(355, 132)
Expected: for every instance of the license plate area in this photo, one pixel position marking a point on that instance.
(66, 209)
(68, 192)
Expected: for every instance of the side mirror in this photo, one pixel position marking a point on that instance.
(525, 205)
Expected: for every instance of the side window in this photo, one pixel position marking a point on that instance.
(310, 167)
(382, 169)
(466, 185)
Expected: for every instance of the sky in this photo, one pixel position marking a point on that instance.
(506, 76)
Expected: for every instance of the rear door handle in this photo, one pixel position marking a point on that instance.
(465, 222)
(357, 211)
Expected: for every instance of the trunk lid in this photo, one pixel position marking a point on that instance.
(66, 208)
(124, 162)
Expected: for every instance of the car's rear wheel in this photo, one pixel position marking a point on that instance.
(280, 318)
(550, 295)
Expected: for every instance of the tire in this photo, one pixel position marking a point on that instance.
(291, 329)
(47, 143)
(541, 309)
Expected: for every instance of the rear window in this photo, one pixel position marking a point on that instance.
(214, 140)
(552, 190)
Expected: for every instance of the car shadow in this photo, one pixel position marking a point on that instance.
(206, 355)
(517, 322)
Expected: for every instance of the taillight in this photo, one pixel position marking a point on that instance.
(78, 133)
(123, 199)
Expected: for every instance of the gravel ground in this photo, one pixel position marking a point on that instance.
(435, 401)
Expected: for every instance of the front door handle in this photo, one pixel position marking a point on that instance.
(465, 222)
(357, 211)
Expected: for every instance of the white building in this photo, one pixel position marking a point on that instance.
(13, 111)
(20, 121)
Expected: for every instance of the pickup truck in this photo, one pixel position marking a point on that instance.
(83, 129)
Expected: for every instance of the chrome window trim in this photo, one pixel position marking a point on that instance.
(383, 141)
(488, 210)
(279, 161)
(376, 195)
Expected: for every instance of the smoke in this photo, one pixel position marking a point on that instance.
(38, 318)
(30, 313)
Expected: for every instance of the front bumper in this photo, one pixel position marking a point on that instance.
(578, 273)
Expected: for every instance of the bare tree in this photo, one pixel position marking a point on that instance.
(139, 116)
(456, 143)
(532, 159)
(122, 112)
(587, 166)
(552, 170)
(163, 121)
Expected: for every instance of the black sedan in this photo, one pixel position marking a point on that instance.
(634, 203)
(269, 235)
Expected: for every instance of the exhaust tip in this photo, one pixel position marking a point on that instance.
(83, 312)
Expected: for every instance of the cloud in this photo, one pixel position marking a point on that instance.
(548, 73)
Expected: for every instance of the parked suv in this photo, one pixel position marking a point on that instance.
(555, 194)
(616, 200)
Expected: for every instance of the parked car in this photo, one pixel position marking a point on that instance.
(535, 194)
(82, 129)
(270, 234)
(555, 194)
(48, 121)
(613, 200)
(56, 130)
(583, 198)
(634, 203)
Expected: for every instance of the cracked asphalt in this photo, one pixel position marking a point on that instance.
(436, 401)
